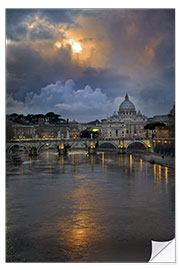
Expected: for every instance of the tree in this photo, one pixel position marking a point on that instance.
(152, 126)
(85, 134)
(39, 115)
(50, 114)
(13, 115)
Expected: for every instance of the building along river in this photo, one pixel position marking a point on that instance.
(80, 208)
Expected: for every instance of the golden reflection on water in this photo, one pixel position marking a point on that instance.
(166, 179)
(166, 175)
(160, 173)
(47, 155)
(103, 159)
(159, 179)
(75, 162)
(81, 229)
(130, 162)
(103, 165)
(140, 165)
(154, 173)
(92, 160)
(61, 159)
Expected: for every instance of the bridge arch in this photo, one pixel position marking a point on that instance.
(107, 145)
(40, 146)
(50, 144)
(137, 144)
(17, 144)
(78, 144)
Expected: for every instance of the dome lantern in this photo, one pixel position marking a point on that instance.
(126, 97)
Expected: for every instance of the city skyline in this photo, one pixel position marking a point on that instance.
(80, 63)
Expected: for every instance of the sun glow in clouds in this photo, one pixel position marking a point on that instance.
(75, 46)
(58, 44)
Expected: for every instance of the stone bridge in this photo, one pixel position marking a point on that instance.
(34, 146)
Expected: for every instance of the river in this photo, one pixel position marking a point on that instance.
(79, 208)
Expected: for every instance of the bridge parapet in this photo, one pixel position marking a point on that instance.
(77, 143)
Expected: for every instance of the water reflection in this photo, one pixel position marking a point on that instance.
(50, 171)
(30, 162)
(92, 158)
(155, 173)
(21, 170)
(159, 185)
(84, 217)
(130, 162)
(47, 156)
(160, 173)
(81, 229)
(140, 165)
(166, 175)
(61, 159)
(166, 179)
(103, 159)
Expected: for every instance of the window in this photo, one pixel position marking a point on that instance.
(116, 132)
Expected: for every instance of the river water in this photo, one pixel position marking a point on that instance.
(79, 208)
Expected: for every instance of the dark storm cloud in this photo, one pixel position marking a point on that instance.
(59, 15)
(108, 80)
(30, 72)
(22, 70)
(133, 52)
(39, 33)
(15, 30)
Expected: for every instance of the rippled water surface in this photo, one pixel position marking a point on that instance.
(78, 208)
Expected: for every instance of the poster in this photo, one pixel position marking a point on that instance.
(90, 134)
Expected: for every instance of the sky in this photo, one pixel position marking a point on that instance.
(80, 63)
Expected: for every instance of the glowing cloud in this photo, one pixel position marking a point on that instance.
(76, 47)
(58, 44)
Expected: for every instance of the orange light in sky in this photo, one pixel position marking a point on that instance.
(75, 45)
(58, 44)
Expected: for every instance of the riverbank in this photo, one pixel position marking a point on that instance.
(158, 159)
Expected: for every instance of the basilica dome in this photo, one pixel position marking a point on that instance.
(127, 104)
(127, 108)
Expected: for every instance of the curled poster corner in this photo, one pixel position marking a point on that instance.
(163, 251)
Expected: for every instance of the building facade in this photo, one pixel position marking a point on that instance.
(126, 123)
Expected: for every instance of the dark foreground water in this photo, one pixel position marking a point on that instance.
(103, 208)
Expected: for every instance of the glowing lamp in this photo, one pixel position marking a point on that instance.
(61, 146)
